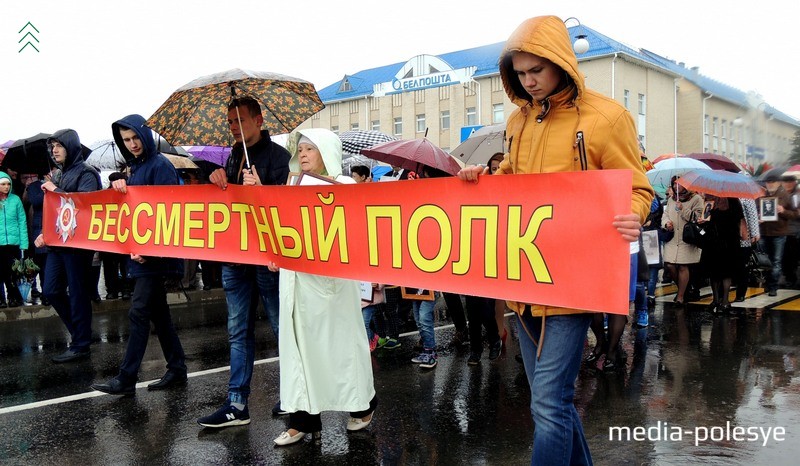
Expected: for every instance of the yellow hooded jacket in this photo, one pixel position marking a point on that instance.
(581, 129)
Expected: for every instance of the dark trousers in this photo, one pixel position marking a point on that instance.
(480, 312)
(741, 275)
(387, 322)
(456, 311)
(71, 269)
(149, 304)
(304, 422)
(7, 255)
(791, 256)
(115, 272)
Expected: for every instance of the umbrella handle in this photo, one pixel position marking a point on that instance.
(239, 118)
(244, 143)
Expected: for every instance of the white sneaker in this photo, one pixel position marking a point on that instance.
(355, 423)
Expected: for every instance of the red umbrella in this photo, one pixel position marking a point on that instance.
(716, 161)
(665, 157)
(411, 154)
(721, 183)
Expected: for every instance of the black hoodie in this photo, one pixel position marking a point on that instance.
(76, 175)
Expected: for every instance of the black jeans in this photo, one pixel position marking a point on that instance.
(149, 303)
(456, 311)
(480, 312)
(304, 422)
(7, 255)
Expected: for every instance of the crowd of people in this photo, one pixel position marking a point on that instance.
(308, 314)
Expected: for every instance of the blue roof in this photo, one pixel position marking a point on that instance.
(485, 59)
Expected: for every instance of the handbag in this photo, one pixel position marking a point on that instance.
(665, 236)
(695, 233)
(758, 259)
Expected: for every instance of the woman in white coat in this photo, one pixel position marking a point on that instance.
(325, 362)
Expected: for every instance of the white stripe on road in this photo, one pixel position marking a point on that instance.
(94, 393)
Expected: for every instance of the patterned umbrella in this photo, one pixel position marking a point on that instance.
(353, 142)
(721, 183)
(411, 154)
(180, 161)
(197, 113)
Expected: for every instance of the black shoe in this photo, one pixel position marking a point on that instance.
(474, 359)
(206, 287)
(494, 350)
(115, 387)
(3, 304)
(612, 364)
(14, 303)
(35, 293)
(518, 358)
(126, 295)
(45, 301)
(277, 411)
(169, 380)
(112, 295)
(70, 355)
(739, 299)
(596, 353)
(773, 292)
(651, 301)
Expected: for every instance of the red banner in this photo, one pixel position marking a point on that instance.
(543, 238)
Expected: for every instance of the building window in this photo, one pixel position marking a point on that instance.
(335, 129)
(497, 84)
(353, 126)
(444, 92)
(345, 86)
(315, 116)
(397, 100)
(334, 109)
(376, 125)
(626, 99)
(419, 97)
(642, 105)
(715, 133)
(498, 114)
(398, 126)
(472, 117)
(421, 123)
(354, 106)
(445, 120)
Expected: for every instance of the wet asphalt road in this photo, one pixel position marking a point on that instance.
(689, 371)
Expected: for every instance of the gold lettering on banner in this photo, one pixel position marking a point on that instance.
(217, 210)
(243, 210)
(445, 240)
(167, 225)
(489, 215)
(524, 244)
(284, 233)
(190, 223)
(336, 231)
(138, 237)
(393, 214)
(263, 228)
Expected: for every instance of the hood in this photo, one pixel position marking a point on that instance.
(5, 176)
(329, 144)
(137, 124)
(543, 36)
(70, 140)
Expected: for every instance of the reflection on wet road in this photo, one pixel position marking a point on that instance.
(690, 375)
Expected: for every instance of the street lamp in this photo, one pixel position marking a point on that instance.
(581, 44)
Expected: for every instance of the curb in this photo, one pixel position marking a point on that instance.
(177, 298)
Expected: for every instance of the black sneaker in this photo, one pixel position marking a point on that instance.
(278, 411)
(226, 416)
(474, 359)
(494, 350)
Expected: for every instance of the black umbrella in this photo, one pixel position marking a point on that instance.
(30, 155)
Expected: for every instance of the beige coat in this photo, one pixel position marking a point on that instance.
(676, 251)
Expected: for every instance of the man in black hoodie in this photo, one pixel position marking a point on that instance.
(69, 268)
(266, 163)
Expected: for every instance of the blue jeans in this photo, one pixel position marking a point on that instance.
(773, 246)
(651, 285)
(70, 268)
(423, 316)
(366, 313)
(243, 284)
(558, 437)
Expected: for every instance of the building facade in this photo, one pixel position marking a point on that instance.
(676, 109)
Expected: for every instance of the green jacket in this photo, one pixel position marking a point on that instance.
(13, 222)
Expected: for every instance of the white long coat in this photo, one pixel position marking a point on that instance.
(324, 355)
